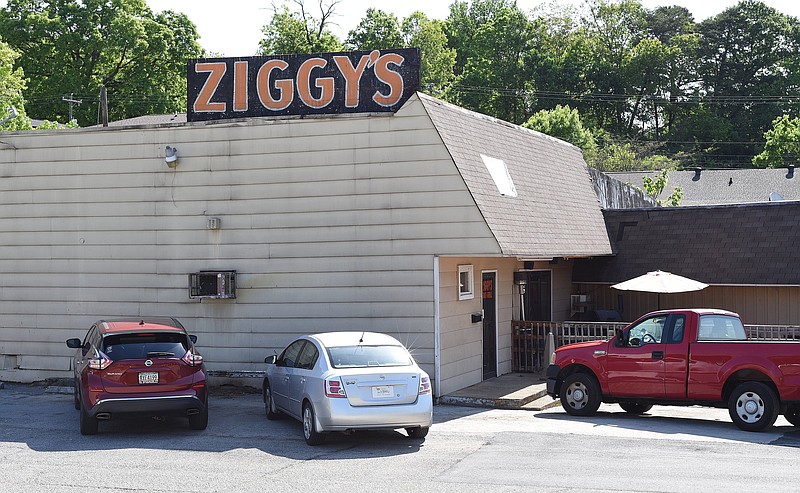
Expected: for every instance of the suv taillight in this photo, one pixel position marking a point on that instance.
(333, 388)
(192, 359)
(100, 361)
(424, 385)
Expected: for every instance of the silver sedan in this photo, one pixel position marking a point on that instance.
(346, 381)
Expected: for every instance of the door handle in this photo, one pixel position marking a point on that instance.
(303, 380)
(285, 379)
(658, 354)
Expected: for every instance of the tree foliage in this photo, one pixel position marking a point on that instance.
(783, 143)
(297, 31)
(378, 30)
(75, 46)
(12, 85)
(564, 123)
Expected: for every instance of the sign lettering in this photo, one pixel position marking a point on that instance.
(357, 82)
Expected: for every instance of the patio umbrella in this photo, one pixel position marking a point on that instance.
(660, 282)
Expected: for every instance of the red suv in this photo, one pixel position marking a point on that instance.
(138, 366)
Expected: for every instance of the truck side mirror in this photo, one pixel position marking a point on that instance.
(621, 340)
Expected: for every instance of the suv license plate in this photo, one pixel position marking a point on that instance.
(382, 391)
(148, 377)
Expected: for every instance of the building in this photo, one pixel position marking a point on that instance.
(744, 252)
(725, 186)
(411, 223)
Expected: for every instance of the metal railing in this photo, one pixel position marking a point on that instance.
(773, 332)
(528, 339)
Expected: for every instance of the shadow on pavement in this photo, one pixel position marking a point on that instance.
(49, 423)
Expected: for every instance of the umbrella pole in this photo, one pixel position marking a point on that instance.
(658, 300)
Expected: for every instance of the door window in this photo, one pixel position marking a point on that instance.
(308, 357)
(648, 331)
(289, 356)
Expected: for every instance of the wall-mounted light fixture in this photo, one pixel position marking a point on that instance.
(171, 156)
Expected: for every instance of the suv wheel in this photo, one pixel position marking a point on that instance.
(88, 423)
(199, 421)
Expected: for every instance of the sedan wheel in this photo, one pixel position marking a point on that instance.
(269, 404)
(419, 432)
(312, 436)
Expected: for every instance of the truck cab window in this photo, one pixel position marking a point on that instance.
(648, 331)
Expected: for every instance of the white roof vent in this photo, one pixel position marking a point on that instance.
(775, 197)
(502, 179)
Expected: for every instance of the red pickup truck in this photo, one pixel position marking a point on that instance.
(682, 357)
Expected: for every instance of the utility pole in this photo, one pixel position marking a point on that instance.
(104, 105)
(71, 101)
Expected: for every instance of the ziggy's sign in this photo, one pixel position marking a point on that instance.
(354, 82)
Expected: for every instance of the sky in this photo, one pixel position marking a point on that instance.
(235, 29)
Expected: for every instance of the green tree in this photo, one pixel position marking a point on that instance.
(783, 143)
(497, 77)
(75, 46)
(12, 85)
(746, 59)
(654, 186)
(378, 30)
(297, 31)
(564, 123)
(438, 59)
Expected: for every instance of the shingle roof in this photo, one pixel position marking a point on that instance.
(725, 186)
(556, 212)
(727, 244)
(149, 120)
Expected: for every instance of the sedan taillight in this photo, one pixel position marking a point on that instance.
(333, 388)
(99, 362)
(424, 385)
(192, 359)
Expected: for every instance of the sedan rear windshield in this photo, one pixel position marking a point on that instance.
(145, 345)
(368, 356)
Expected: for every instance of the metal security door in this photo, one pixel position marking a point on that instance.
(489, 325)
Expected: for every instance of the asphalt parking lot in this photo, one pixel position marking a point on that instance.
(468, 448)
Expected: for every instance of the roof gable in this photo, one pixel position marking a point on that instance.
(555, 212)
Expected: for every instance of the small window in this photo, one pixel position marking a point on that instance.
(502, 178)
(466, 285)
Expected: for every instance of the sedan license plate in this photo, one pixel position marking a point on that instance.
(148, 377)
(382, 391)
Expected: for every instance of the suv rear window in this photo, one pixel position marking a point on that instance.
(368, 356)
(145, 345)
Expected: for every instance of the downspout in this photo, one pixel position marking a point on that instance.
(437, 347)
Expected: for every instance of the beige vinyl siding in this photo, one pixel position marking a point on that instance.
(757, 305)
(331, 224)
(462, 340)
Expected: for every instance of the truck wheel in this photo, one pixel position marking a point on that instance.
(753, 406)
(580, 394)
(635, 407)
(792, 415)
